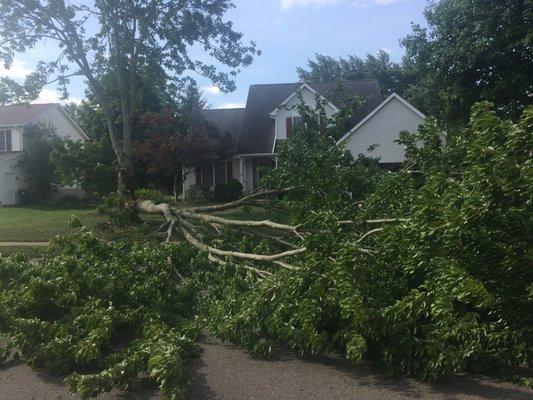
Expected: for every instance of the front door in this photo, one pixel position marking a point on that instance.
(8, 189)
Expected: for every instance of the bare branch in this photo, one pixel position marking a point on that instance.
(233, 222)
(387, 220)
(258, 271)
(369, 233)
(246, 256)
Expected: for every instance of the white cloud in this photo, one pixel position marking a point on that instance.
(18, 70)
(233, 105)
(279, 21)
(211, 89)
(51, 96)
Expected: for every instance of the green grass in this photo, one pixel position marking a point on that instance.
(40, 223)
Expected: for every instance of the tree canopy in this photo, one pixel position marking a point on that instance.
(326, 69)
(471, 51)
(126, 37)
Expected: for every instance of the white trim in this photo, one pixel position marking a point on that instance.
(375, 110)
(69, 118)
(249, 155)
(303, 86)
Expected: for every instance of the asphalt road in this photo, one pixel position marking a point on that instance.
(223, 372)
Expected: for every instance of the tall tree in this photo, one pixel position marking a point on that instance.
(124, 36)
(472, 50)
(326, 69)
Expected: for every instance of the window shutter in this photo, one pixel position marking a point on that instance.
(8, 141)
(288, 123)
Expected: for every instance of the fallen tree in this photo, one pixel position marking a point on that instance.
(426, 274)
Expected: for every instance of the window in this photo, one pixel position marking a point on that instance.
(291, 123)
(5, 141)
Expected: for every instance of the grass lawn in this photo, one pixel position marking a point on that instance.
(40, 223)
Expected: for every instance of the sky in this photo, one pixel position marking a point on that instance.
(288, 33)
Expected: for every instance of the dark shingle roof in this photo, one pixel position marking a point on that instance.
(20, 114)
(226, 119)
(257, 132)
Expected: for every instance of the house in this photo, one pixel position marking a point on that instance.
(13, 119)
(270, 115)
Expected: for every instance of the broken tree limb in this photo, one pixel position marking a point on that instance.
(177, 220)
(386, 220)
(240, 202)
(235, 222)
(369, 233)
(246, 256)
(258, 271)
(270, 237)
(150, 207)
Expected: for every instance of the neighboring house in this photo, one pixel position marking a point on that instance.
(13, 119)
(270, 115)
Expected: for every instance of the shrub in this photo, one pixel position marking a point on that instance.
(228, 192)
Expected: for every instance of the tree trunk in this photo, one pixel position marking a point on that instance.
(126, 186)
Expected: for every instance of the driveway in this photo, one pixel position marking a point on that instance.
(223, 372)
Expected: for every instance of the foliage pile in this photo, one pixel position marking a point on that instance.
(104, 313)
(431, 274)
(426, 270)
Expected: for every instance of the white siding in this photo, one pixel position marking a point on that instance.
(282, 113)
(64, 127)
(383, 129)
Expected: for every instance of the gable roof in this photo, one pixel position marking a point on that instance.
(257, 132)
(292, 96)
(379, 107)
(20, 114)
(226, 119)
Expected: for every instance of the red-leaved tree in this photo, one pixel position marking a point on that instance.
(171, 149)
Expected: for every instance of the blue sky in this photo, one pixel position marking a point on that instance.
(288, 32)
